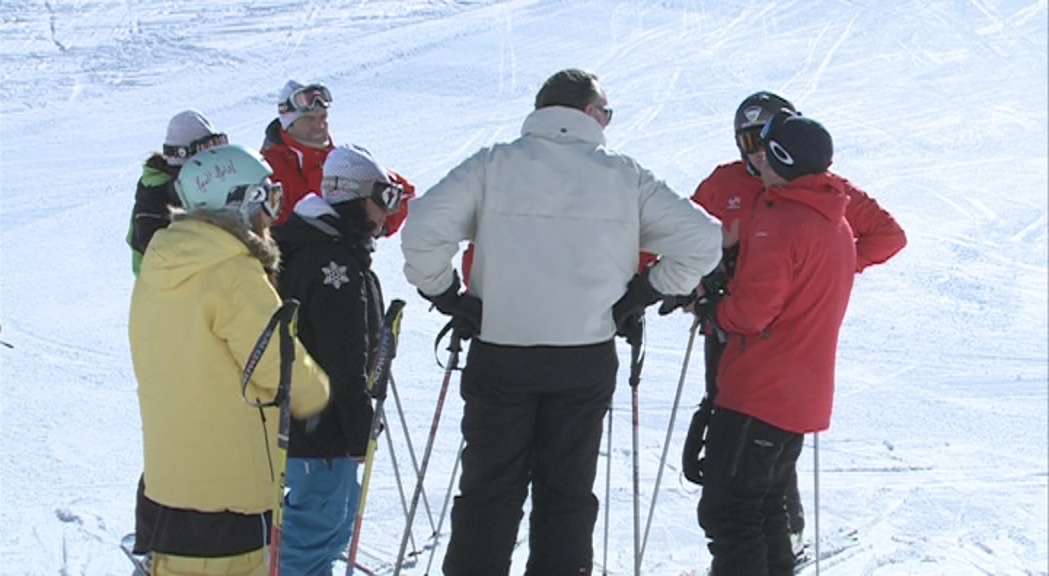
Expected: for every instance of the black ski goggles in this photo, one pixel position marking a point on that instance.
(386, 195)
(749, 140)
(306, 99)
(198, 145)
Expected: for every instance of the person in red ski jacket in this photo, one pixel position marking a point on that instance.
(297, 143)
(730, 193)
(782, 315)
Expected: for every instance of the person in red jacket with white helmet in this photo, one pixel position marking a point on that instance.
(730, 193)
(297, 143)
(782, 315)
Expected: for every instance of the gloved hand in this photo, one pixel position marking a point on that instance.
(627, 311)
(671, 303)
(715, 286)
(695, 440)
(464, 308)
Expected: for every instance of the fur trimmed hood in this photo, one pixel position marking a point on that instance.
(202, 239)
(262, 246)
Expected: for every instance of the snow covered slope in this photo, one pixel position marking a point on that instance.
(937, 457)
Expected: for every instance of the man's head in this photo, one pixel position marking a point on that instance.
(189, 132)
(751, 116)
(303, 113)
(352, 176)
(794, 146)
(573, 88)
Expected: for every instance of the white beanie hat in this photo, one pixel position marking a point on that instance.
(286, 118)
(184, 129)
(346, 167)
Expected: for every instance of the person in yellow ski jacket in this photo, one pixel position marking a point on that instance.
(203, 296)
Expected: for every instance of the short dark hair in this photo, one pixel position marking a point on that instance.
(572, 88)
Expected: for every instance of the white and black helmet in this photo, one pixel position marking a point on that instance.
(759, 108)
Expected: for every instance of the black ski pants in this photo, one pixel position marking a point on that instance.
(795, 511)
(743, 507)
(713, 349)
(532, 415)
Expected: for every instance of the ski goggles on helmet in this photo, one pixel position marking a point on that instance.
(306, 99)
(198, 145)
(268, 197)
(749, 139)
(386, 195)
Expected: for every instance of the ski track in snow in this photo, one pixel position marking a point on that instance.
(937, 458)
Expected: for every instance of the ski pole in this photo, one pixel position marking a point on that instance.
(284, 316)
(5, 343)
(670, 430)
(454, 347)
(378, 380)
(444, 507)
(816, 490)
(397, 477)
(608, 481)
(411, 449)
(637, 359)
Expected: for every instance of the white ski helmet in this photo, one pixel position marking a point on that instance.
(231, 177)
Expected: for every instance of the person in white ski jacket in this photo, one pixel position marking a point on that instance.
(558, 221)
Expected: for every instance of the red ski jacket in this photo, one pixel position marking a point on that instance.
(300, 168)
(786, 304)
(731, 192)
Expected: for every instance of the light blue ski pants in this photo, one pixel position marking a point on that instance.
(319, 512)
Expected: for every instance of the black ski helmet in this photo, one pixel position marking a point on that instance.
(759, 108)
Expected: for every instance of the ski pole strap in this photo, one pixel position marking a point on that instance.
(287, 353)
(284, 316)
(455, 345)
(637, 360)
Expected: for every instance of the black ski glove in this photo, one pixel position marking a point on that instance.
(464, 308)
(692, 453)
(627, 311)
(713, 284)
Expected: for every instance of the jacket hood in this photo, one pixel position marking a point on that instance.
(561, 123)
(200, 240)
(314, 220)
(822, 192)
(272, 134)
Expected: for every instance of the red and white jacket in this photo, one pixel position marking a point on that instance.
(786, 304)
(300, 169)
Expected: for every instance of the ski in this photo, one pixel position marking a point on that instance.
(378, 382)
(845, 541)
(127, 545)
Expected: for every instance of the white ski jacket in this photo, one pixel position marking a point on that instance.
(558, 221)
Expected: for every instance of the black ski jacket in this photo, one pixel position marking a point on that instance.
(326, 265)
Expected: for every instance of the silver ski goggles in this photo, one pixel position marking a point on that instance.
(306, 99)
(267, 196)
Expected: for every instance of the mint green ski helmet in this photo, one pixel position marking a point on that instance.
(230, 177)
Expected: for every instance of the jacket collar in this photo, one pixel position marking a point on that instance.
(304, 150)
(822, 192)
(561, 123)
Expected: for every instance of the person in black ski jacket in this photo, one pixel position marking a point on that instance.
(327, 248)
(188, 133)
